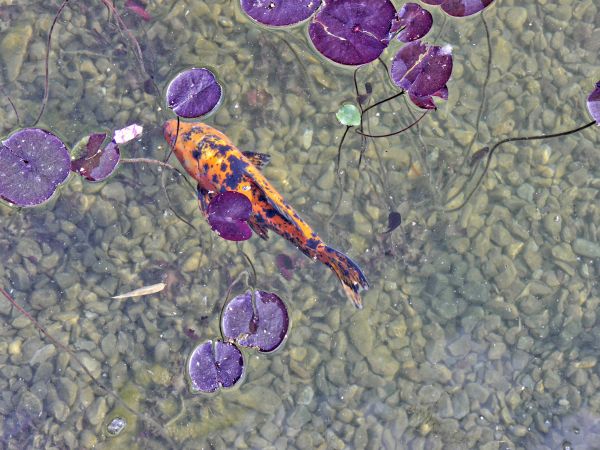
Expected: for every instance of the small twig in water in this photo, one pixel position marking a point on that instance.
(96, 381)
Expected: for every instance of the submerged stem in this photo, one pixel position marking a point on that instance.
(515, 139)
(156, 162)
(254, 278)
(339, 154)
(395, 132)
(174, 141)
(14, 108)
(398, 94)
(47, 63)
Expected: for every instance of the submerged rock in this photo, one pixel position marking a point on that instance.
(13, 49)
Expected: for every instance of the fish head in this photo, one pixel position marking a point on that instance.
(185, 139)
(197, 146)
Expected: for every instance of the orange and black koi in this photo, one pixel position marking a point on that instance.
(217, 165)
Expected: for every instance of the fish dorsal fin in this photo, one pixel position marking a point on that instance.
(260, 160)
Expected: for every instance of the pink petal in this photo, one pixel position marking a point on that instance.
(128, 133)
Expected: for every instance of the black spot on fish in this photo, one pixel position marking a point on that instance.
(215, 178)
(196, 154)
(270, 213)
(223, 149)
(223, 167)
(312, 243)
(205, 167)
(237, 168)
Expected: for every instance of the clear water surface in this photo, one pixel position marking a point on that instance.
(481, 326)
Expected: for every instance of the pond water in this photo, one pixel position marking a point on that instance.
(480, 328)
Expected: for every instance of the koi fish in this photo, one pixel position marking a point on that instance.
(218, 165)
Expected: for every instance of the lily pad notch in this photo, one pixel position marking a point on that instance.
(215, 365)
(256, 320)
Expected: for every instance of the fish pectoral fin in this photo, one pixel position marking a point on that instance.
(204, 198)
(260, 160)
(259, 229)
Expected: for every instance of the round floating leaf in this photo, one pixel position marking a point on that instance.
(414, 21)
(463, 8)
(593, 103)
(279, 13)
(422, 69)
(93, 162)
(213, 366)
(33, 163)
(352, 32)
(227, 214)
(263, 326)
(348, 115)
(194, 93)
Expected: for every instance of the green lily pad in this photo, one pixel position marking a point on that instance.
(348, 115)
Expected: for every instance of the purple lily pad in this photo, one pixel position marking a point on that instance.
(279, 13)
(33, 163)
(422, 69)
(352, 32)
(593, 103)
(463, 8)
(228, 213)
(414, 21)
(211, 367)
(194, 93)
(263, 326)
(93, 162)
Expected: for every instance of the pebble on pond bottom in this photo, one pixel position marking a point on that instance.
(116, 426)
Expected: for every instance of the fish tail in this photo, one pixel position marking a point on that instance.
(352, 278)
